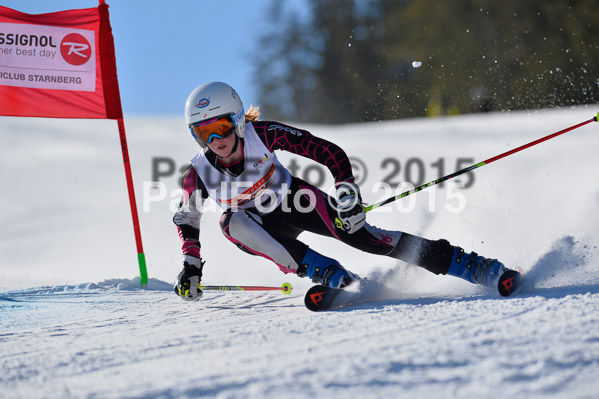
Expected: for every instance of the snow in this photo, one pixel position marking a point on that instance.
(75, 323)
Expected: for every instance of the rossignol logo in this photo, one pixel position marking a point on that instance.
(15, 39)
(203, 103)
(47, 57)
(75, 49)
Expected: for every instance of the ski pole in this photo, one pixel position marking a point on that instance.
(286, 288)
(478, 165)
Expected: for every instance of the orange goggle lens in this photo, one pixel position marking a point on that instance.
(206, 131)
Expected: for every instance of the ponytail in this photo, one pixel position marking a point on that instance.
(252, 114)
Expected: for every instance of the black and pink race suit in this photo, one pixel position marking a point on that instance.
(265, 208)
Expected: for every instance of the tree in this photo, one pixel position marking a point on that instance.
(351, 61)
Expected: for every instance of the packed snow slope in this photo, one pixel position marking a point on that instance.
(75, 323)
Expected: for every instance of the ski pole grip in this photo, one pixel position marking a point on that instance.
(596, 117)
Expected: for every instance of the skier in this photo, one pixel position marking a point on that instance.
(265, 208)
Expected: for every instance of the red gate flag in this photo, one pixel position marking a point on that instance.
(62, 65)
(58, 65)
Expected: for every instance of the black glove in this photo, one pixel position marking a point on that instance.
(188, 281)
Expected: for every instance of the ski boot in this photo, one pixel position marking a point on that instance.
(480, 270)
(325, 271)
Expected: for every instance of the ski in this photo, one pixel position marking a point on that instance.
(509, 282)
(322, 297)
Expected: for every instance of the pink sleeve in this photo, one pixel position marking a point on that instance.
(189, 214)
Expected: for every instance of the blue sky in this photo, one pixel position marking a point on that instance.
(165, 49)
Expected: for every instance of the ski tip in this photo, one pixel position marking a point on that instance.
(314, 297)
(509, 282)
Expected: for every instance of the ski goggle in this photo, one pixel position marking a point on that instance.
(206, 131)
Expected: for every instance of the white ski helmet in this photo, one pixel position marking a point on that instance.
(212, 101)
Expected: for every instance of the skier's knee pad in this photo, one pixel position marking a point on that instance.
(225, 221)
(239, 227)
(237, 223)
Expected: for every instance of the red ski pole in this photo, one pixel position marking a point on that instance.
(478, 165)
(286, 288)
